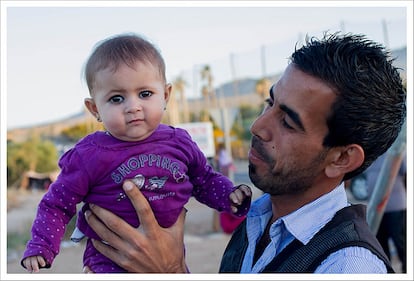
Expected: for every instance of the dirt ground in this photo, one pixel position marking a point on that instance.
(204, 248)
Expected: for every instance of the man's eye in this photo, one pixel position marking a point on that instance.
(269, 102)
(286, 124)
(116, 99)
(145, 94)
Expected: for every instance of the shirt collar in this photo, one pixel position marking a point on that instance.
(305, 222)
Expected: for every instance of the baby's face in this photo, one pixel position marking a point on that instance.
(131, 101)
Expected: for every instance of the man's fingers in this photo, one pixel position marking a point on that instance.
(178, 226)
(148, 223)
(154, 249)
(145, 214)
(111, 222)
(110, 252)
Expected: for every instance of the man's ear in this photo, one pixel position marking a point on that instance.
(344, 160)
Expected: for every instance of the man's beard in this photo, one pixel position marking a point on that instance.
(292, 180)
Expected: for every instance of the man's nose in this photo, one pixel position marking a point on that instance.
(261, 127)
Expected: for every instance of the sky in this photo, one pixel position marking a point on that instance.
(47, 43)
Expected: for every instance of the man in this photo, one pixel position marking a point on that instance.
(339, 105)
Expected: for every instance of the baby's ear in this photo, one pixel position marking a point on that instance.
(91, 106)
(167, 92)
(344, 159)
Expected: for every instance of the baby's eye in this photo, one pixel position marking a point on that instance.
(145, 94)
(116, 99)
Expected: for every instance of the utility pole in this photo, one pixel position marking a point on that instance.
(385, 33)
(263, 60)
(386, 179)
(342, 26)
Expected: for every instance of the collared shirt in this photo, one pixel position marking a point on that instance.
(303, 224)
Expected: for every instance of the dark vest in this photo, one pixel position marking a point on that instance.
(347, 228)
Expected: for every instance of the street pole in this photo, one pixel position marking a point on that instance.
(386, 179)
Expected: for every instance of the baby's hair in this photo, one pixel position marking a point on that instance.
(124, 48)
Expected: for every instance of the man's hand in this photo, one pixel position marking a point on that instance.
(148, 249)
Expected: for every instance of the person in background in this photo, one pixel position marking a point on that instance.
(125, 75)
(227, 222)
(394, 220)
(224, 161)
(339, 105)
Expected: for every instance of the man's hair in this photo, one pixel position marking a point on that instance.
(370, 107)
(124, 48)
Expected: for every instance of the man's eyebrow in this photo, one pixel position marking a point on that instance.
(293, 115)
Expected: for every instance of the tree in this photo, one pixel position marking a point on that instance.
(34, 154)
(248, 114)
(262, 87)
(179, 86)
(208, 88)
(78, 131)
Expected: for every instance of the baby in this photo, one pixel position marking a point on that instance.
(126, 79)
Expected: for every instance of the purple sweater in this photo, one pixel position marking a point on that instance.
(174, 169)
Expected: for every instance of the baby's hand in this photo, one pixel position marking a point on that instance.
(239, 195)
(34, 263)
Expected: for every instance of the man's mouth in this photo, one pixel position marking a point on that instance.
(257, 151)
